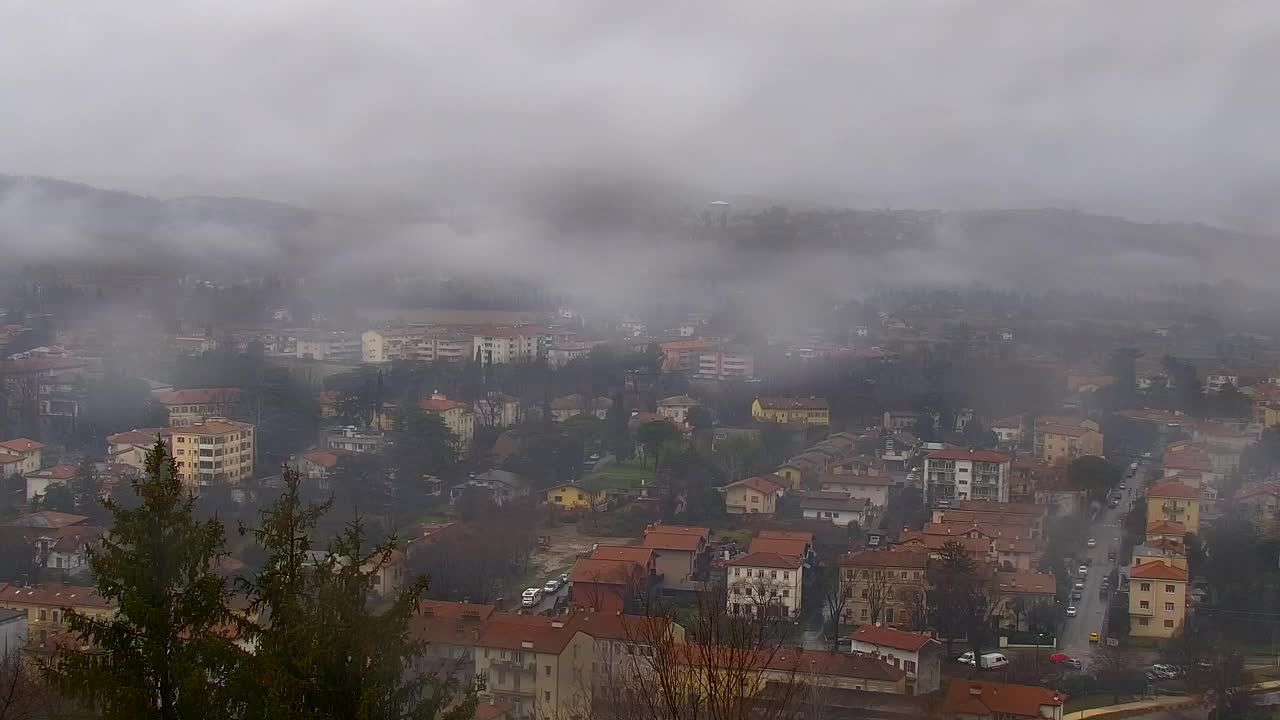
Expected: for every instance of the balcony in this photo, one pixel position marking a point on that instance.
(1141, 612)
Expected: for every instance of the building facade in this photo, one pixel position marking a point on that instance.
(958, 474)
(765, 584)
(804, 411)
(214, 451)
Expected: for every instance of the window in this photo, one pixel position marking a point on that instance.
(909, 666)
(43, 614)
(1168, 623)
(1144, 621)
(737, 572)
(1144, 604)
(546, 695)
(1168, 606)
(786, 575)
(1145, 587)
(864, 613)
(1170, 589)
(548, 668)
(755, 498)
(864, 593)
(773, 574)
(786, 592)
(55, 615)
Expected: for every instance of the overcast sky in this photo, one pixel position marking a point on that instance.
(1157, 109)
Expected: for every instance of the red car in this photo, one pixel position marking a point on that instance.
(1059, 657)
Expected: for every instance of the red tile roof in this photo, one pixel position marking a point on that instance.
(605, 571)
(763, 484)
(993, 699)
(1172, 489)
(612, 626)
(199, 396)
(989, 456)
(320, 456)
(435, 404)
(57, 595)
(886, 558)
(672, 541)
(1157, 571)
(536, 633)
(57, 472)
(1006, 508)
(1068, 430)
(141, 436)
(1258, 489)
(792, 403)
(21, 445)
(449, 623)
(889, 637)
(780, 546)
(1166, 527)
(766, 559)
(47, 519)
(634, 553)
(934, 543)
(1026, 582)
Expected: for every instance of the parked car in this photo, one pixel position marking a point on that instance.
(1146, 455)
(1084, 570)
(1092, 543)
(986, 661)
(1071, 611)
(1124, 486)
(1076, 594)
(564, 579)
(1093, 637)
(531, 596)
(1073, 664)
(552, 586)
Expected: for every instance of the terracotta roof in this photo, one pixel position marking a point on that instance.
(141, 436)
(761, 484)
(672, 541)
(449, 623)
(889, 637)
(198, 396)
(7, 458)
(766, 559)
(47, 519)
(801, 535)
(1257, 489)
(990, 530)
(886, 558)
(1157, 571)
(535, 633)
(850, 479)
(792, 403)
(833, 664)
(992, 699)
(21, 445)
(1166, 527)
(322, 457)
(57, 472)
(213, 427)
(57, 595)
(1172, 489)
(634, 553)
(781, 546)
(601, 571)
(1026, 582)
(612, 626)
(1068, 430)
(989, 456)
(975, 546)
(441, 404)
(1168, 545)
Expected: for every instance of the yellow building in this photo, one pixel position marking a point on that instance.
(1172, 500)
(454, 415)
(215, 450)
(808, 411)
(883, 586)
(753, 495)
(1059, 440)
(1157, 599)
(571, 497)
(46, 607)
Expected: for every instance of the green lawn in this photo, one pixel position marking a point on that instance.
(626, 476)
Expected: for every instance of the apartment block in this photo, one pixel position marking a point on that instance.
(214, 451)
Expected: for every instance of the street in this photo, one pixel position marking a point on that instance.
(1090, 608)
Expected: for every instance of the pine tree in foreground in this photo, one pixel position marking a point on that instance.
(163, 654)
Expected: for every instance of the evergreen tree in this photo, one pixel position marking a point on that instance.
(161, 655)
(87, 486)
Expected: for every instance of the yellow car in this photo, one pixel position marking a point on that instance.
(1093, 637)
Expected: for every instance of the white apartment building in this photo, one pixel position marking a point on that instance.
(724, 363)
(966, 474)
(336, 345)
(503, 345)
(414, 343)
(766, 584)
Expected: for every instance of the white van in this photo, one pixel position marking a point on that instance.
(994, 661)
(530, 597)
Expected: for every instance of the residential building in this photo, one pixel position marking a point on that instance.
(540, 665)
(1261, 504)
(982, 700)
(505, 345)
(678, 550)
(1176, 501)
(564, 352)
(214, 451)
(765, 584)
(966, 474)
(10, 464)
(335, 345)
(899, 420)
(1018, 592)
(13, 633)
(27, 450)
(676, 409)
(496, 410)
(872, 488)
(46, 607)
(609, 584)
(349, 438)
(318, 463)
(727, 363)
(753, 495)
(1009, 430)
(454, 415)
(917, 654)
(883, 586)
(1060, 442)
(685, 355)
(501, 486)
(1033, 516)
(193, 405)
(571, 497)
(834, 507)
(624, 650)
(1219, 378)
(1157, 599)
(416, 343)
(38, 482)
(563, 408)
(825, 674)
(793, 543)
(804, 411)
(131, 447)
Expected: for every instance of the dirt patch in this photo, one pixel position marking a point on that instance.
(566, 545)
